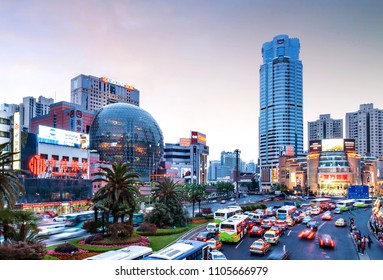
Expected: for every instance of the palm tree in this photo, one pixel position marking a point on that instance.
(10, 187)
(122, 188)
(167, 191)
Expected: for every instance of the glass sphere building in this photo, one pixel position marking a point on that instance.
(122, 132)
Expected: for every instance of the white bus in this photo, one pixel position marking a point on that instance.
(75, 219)
(285, 211)
(223, 214)
(127, 253)
(233, 229)
(345, 204)
(363, 202)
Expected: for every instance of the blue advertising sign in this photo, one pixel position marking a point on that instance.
(356, 192)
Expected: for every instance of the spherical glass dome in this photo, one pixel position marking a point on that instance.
(123, 132)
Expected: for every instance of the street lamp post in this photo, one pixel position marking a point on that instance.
(237, 152)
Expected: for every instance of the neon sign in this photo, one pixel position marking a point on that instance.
(39, 165)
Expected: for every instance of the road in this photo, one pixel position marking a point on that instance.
(309, 249)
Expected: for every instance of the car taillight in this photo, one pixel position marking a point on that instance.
(311, 235)
(321, 242)
(195, 238)
(204, 240)
(332, 244)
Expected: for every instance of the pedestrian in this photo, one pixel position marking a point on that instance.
(359, 244)
(363, 245)
(369, 241)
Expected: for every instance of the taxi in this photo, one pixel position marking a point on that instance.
(340, 222)
(259, 246)
(214, 244)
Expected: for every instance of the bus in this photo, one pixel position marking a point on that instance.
(233, 229)
(345, 204)
(127, 253)
(223, 214)
(320, 201)
(75, 219)
(285, 211)
(182, 250)
(363, 202)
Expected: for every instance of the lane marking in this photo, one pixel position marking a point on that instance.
(236, 247)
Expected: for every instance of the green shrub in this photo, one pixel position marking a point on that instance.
(66, 248)
(147, 228)
(22, 251)
(120, 230)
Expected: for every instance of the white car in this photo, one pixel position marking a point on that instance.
(60, 218)
(51, 229)
(70, 233)
(217, 255)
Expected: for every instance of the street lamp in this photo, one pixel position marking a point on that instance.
(237, 152)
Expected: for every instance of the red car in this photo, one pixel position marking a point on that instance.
(325, 240)
(256, 231)
(307, 234)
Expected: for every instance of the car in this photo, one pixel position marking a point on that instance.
(340, 222)
(69, 233)
(279, 254)
(325, 240)
(256, 231)
(290, 221)
(259, 246)
(307, 234)
(212, 227)
(223, 201)
(312, 225)
(60, 218)
(277, 229)
(298, 219)
(306, 219)
(316, 211)
(51, 229)
(204, 236)
(266, 224)
(337, 211)
(327, 216)
(214, 244)
(271, 236)
(216, 255)
(281, 224)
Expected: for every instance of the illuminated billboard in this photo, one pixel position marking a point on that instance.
(332, 145)
(197, 137)
(185, 142)
(16, 141)
(315, 146)
(55, 136)
(349, 145)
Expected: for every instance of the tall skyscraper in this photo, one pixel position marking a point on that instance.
(281, 102)
(366, 127)
(93, 93)
(325, 128)
(31, 108)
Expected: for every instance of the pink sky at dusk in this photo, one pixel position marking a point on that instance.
(196, 63)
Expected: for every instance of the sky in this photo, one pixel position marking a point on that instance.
(196, 63)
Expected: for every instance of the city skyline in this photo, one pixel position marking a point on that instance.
(195, 63)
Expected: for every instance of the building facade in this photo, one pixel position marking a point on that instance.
(366, 127)
(325, 128)
(93, 93)
(190, 153)
(65, 115)
(281, 103)
(31, 108)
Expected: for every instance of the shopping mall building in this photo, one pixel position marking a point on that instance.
(330, 167)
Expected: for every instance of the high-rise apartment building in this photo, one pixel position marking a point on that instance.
(366, 127)
(93, 93)
(325, 128)
(31, 108)
(281, 102)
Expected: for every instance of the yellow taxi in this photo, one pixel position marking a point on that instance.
(259, 246)
(214, 244)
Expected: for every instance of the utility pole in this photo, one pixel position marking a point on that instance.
(237, 152)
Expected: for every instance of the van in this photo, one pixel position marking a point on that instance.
(257, 216)
(212, 227)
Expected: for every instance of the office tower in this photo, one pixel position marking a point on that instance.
(366, 127)
(212, 171)
(325, 128)
(93, 93)
(31, 108)
(229, 159)
(281, 101)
